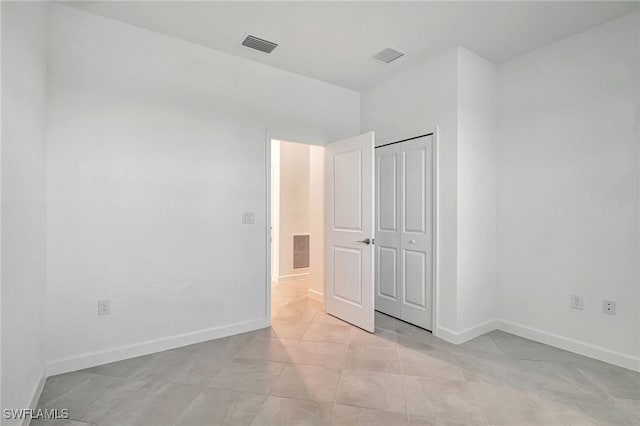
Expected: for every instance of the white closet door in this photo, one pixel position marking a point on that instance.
(404, 226)
(416, 203)
(387, 247)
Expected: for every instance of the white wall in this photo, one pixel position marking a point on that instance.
(155, 147)
(294, 204)
(568, 189)
(23, 202)
(316, 220)
(409, 104)
(454, 91)
(476, 190)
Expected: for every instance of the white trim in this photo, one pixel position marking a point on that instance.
(458, 337)
(571, 345)
(267, 226)
(36, 396)
(316, 295)
(293, 277)
(273, 156)
(92, 359)
(435, 254)
(551, 339)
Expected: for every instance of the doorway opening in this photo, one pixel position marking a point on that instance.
(297, 231)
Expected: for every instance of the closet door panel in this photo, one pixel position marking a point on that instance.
(416, 231)
(388, 222)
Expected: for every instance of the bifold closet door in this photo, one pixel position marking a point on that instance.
(404, 223)
(387, 246)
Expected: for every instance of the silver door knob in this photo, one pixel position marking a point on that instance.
(412, 241)
(366, 241)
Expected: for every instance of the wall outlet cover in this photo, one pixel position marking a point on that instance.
(248, 218)
(608, 307)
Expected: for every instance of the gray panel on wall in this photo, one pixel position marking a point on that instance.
(300, 251)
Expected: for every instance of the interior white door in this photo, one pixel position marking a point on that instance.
(404, 230)
(349, 230)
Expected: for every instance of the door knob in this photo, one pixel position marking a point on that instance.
(366, 241)
(412, 241)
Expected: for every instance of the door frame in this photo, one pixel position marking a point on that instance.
(435, 283)
(302, 139)
(270, 134)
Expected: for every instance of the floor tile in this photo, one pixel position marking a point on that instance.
(286, 329)
(435, 421)
(617, 382)
(373, 358)
(371, 390)
(326, 354)
(126, 411)
(307, 382)
(504, 405)
(324, 318)
(450, 400)
(167, 404)
(57, 385)
(221, 407)
(435, 365)
(484, 368)
(269, 348)
(79, 398)
(59, 422)
(344, 415)
(320, 332)
(208, 366)
(125, 368)
(600, 409)
(379, 338)
(100, 408)
(296, 313)
(248, 375)
(226, 348)
(278, 411)
(385, 322)
(482, 344)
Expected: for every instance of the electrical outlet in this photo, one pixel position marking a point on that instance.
(576, 302)
(608, 307)
(104, 307)
(248, 218)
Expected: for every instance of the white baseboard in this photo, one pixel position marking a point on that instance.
(293, 277)
(316, 295)
(36, 396)
(92, 359)
(551, 339)
(458, 337)
(571, 345)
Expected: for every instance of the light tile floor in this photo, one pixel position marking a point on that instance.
(310, 368)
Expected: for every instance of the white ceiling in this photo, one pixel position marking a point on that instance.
(333, 41)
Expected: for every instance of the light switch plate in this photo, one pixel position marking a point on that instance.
(576, 302)
(248, 218)
(104, 307)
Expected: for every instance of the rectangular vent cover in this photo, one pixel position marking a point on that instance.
(387, 55)
(300, 251)
(259, 44)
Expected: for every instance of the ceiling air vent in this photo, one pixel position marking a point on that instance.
(387, 55)
(259, 44)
